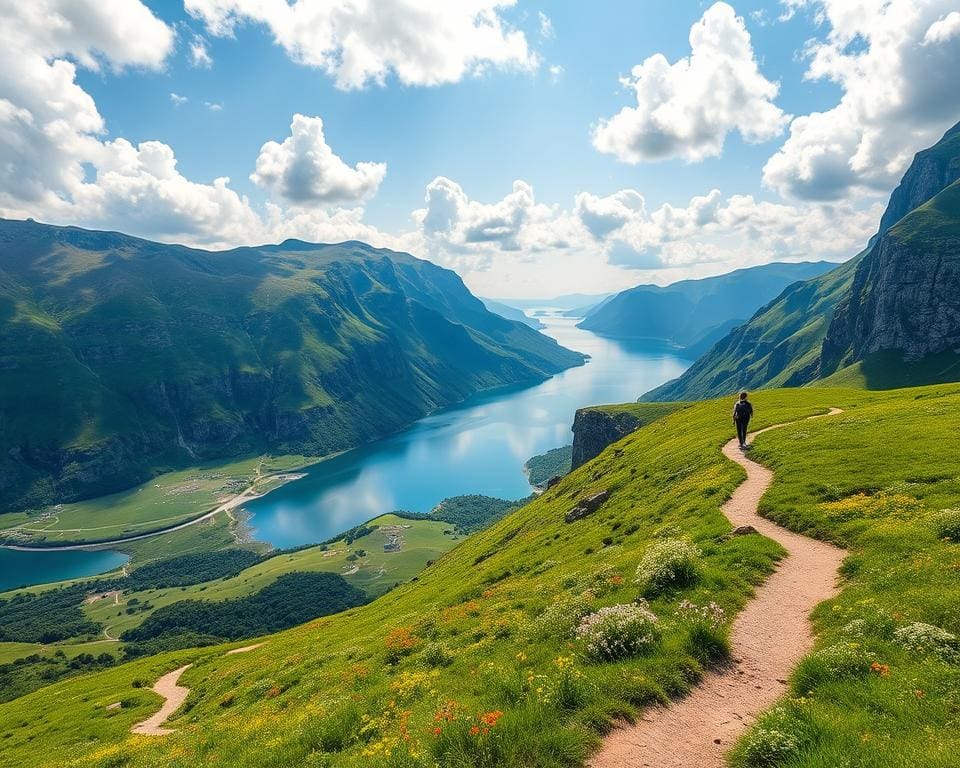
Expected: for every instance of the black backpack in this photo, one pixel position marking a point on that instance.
(741, 410)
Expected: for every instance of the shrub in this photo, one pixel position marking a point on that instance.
(560, 618)
(436, 655)
(399, 643)
(708, 638)
(946, 524)
(669, 562)
(619, 631)
(928, 639)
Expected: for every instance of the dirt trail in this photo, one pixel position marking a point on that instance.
(768, 638)
(174, 696)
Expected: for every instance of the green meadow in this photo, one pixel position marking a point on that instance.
(476, 662)
(164, 501)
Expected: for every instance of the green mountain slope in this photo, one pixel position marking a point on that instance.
(687, 312)
(485, 631)
(119, 356)
(779, 346)
(786, 343)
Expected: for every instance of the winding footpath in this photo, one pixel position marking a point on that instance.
(173, 697)
(769, 637)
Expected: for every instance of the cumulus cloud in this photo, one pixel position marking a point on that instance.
(303, 169)
(454, 226)
(48, 124)
(177, 99)
(686, 109)
(896, 62)
(712, 230)
(421, 42)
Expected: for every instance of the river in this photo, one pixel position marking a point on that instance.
(479, 446)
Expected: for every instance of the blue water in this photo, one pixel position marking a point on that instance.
(20, 569)
(477, 447)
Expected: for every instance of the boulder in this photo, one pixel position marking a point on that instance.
(587, 506)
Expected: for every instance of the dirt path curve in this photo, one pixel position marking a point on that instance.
(174, 695)
(768, 638)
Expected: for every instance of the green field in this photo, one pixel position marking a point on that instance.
(375, 572)
(164, 501)
(484, 629)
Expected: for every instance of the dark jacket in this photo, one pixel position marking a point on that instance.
(742, 410)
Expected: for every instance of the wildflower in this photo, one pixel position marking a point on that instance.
(437, 731)
(919, 693)
(881, 669)
(474, 730)
(618, 631)
(490, 719)
(521, 657)
(667, 562)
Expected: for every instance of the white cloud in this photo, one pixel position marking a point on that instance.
(213, 106)
(897, 63)
(177, 99)
(710, 230)
(546, 25)
(49, 126)
(304, 170)
(686, 109)
(199, 53)
(421, 42)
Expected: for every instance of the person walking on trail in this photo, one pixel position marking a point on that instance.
(742, 411)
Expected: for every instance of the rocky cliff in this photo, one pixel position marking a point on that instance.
(905, 296)
(594, 430)
(897, 294)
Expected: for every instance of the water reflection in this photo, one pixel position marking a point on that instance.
(477, 447)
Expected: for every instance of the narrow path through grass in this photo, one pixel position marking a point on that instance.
(769, 637)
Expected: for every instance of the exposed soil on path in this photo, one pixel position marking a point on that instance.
(174, 696)
(768, 638)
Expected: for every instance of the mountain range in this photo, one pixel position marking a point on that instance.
(121, 357)
(888, 317)
(694, 314)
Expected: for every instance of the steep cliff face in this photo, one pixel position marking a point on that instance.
(895, 295)
(120, 357)
(594, 430)
(906, 293)
(597, 427)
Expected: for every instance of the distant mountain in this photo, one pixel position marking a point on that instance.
(511, 313)
(567, 301)
(890, 313)
(695, 313)
(120, 357)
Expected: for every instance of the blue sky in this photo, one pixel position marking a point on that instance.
(804, 70)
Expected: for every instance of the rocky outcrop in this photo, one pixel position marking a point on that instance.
(586, 506)
(594, 430)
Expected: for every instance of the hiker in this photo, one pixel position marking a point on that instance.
(742, 411)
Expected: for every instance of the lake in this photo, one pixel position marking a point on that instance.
(479, 446)
(18, 569)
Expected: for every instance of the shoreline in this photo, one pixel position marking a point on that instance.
(228, 506)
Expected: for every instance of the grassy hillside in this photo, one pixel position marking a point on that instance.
(483, 630)
(689, 311)
(120, 358)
